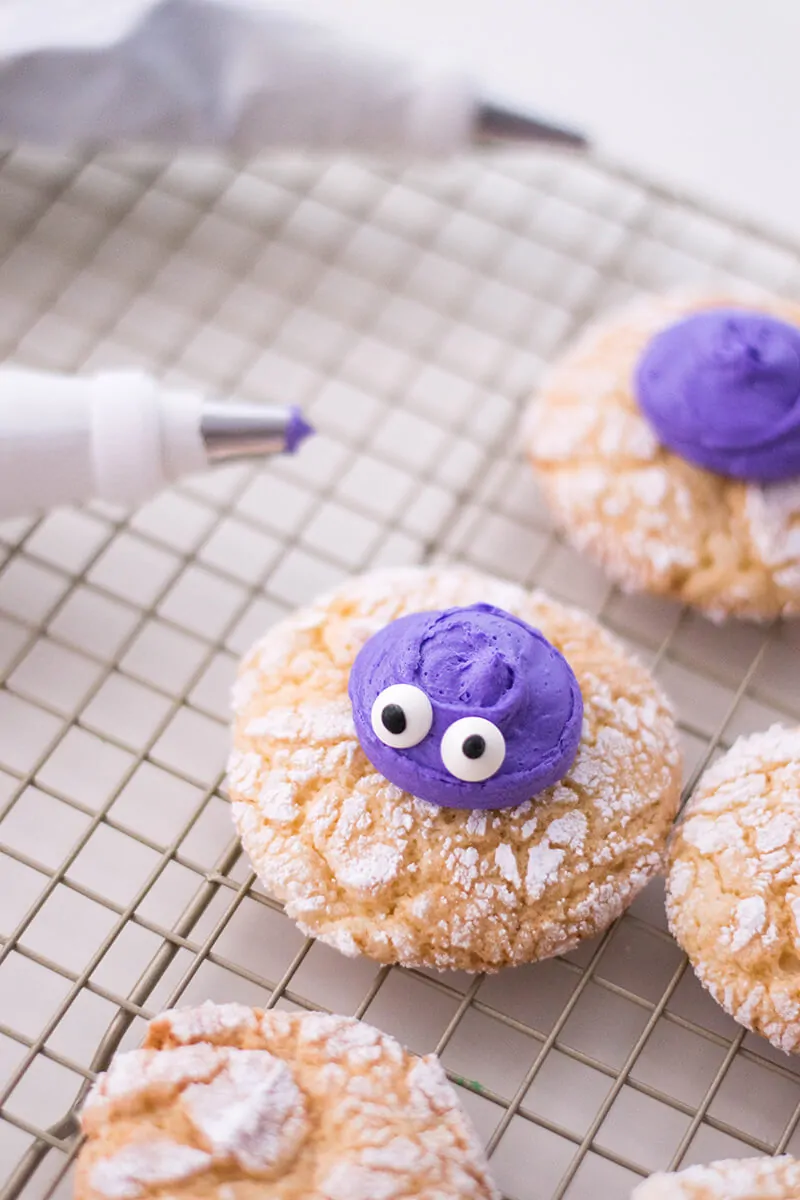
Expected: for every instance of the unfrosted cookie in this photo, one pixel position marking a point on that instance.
(714, 520)
(733, 888)
(371, 869)
(731, 1179)
(232, 1103)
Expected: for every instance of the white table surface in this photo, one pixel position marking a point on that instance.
(703, 95)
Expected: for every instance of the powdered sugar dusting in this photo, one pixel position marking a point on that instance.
(773, 514)
(208, 1021)
(252, 1111)
(395, 1166)
(430, 1087)
(377, 865)
(730, 1179)
(243, 770)
(543, 864)
(712, 833)
(506, 861)
(324, 723)
(141, 1166)
(682, 877)
(365, 855)
(140, 1071)
(731, 893)
(750, 917)
(337, 938)
(344, 1038)
(357, 1181)
(545, 859)
(750, 755)
(569, 830)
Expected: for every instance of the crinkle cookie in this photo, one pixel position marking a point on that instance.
(232, 1103)
(466, 690)
(731, 1179)
(667, 443)
(733, 887)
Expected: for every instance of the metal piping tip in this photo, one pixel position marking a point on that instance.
(238, 430)
(493, 123)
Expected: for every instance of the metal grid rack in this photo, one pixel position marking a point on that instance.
(411, 313)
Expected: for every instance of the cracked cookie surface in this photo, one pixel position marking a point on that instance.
(730, 1179)
(733, 884)
(227, 1102)
(653, 521)
(371, 869)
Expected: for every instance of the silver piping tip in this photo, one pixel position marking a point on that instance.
(238, 430)
(493, 123)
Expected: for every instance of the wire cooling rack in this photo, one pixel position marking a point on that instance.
(411, 313)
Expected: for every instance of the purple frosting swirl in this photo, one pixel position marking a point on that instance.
(722, 389)
(472, 662)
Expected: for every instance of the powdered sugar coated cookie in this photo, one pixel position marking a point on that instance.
(653, 520)
(733, 888)
(291, 1106)
(371, 869)
(731, 1179)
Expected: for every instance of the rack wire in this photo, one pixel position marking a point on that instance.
(410, 312)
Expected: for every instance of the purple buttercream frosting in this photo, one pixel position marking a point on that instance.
(476, 662)
(297, 430)
(721, 389)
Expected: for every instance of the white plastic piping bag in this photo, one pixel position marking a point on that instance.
(244, 75)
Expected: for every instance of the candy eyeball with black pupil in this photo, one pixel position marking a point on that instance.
(402, 716)
(473, 749)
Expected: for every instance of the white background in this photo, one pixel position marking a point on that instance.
(701, 94)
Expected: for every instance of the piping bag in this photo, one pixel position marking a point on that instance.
(240, 75)
(121, 436)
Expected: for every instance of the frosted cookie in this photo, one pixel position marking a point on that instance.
(437, 768)
(667, 443)
(732, 1179)
(733, 888)
(232, 1103)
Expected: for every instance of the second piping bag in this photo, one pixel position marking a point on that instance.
(240, 75)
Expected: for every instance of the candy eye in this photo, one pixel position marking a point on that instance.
(473, 749)
(401, 716)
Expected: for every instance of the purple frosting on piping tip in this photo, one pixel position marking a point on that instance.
(475, 662)
(721, 389)
(297, 430)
